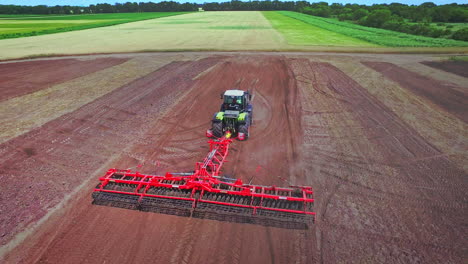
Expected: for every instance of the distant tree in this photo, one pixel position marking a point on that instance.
(300, 5)
(461, 34)
(335, 8)
(428, 5)
(320, 9)
(421, 14)
(359, 13)
(378, 17)
(397, 8)
(344, 16)
(392, 25)
(323, 11)
(459, 15)
(105, 8)
(442, 14)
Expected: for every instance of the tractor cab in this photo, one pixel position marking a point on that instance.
(234, 100)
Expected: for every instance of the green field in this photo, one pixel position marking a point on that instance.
(373, 35)
(298, 32)
(14, 26)
(452, 26)
(207, 31)
(458, 58)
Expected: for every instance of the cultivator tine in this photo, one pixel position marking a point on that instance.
(252, 209)
(224, 207)
(174, 202)
(284, 213)
(166, 206)
(116, 200)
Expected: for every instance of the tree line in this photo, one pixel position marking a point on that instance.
(412, 19)
(409, 19)
(128, 7)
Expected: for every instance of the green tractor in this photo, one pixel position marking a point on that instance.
(235, 117)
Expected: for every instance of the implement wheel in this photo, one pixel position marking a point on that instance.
(217, 129)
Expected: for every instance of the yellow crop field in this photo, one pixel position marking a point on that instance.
(194, 31)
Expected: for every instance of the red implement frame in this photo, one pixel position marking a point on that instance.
(199, 187)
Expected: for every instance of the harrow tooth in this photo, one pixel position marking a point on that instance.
(166, 206)
(116, 200)
(256, 201)
(283, 219)
(223, 213)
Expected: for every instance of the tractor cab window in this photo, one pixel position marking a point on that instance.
(233, 100)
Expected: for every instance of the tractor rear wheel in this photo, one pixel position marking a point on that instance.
(244, 129)
(217, 129)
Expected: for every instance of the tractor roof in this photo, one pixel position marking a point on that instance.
(234, 93)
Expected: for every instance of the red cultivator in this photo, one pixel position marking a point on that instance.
(205, 194)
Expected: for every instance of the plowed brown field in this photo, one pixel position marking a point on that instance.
(27, 77)
(456, 67)
(388, 188)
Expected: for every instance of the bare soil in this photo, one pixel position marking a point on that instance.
(33, 165)
(26, 77)
(384, 193)
(448, 96)
(456, 67)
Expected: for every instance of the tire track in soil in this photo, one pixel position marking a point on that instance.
(447, 132)
(237, 247)
(316, 97)
(237, 72)
(402, 242)
(271, 247)
(184, 247)
(270, 76)
(400, 144)
(262, 121)
(275, 122)
(176, 140)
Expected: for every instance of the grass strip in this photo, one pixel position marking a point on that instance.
(374, 35)
(458, 58)
(301, 33)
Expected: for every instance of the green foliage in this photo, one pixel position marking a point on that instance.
(378, 17)
(321, 11)
(128, 7)
(25, 26)
(343, 17)
(459, 58)
(239, 27)
(374, 35)
(461, 34)
(398, 17)
(359, 13)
